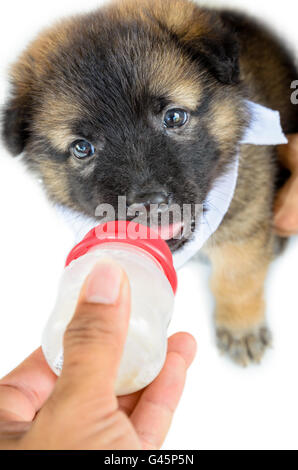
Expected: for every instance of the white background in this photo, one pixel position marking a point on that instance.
(223, 406)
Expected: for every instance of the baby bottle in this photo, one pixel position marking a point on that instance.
(148, 263)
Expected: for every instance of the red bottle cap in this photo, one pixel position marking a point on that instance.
(130, 233)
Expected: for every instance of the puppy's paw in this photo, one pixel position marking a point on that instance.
(245, 348)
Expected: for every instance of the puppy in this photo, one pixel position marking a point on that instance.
(146, 98)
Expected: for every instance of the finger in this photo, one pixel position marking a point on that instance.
(176, 343)
(288, 153)
(286, 208)
(24, 390)
(183, 344)
(94, 339)
(153, 414)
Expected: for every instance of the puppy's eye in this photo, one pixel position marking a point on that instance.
(175, 118)
(82, 149)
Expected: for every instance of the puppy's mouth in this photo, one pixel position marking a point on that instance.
(175, 234)
(170, 231)
(172, 234)
(183, 236)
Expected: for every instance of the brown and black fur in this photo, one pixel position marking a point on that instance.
(109, 75)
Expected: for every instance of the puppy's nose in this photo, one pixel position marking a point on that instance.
(147, 198)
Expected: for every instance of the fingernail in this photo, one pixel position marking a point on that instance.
(103, 284)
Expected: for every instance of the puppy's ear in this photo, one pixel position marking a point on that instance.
(219, 52)
(206, 36)
(15, 124)
(212, 41)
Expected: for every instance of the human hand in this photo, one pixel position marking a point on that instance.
(79, 410)
(286, 205)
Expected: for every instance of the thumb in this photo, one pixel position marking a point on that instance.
(95, 337)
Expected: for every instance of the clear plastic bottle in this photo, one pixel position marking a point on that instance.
(147, 261)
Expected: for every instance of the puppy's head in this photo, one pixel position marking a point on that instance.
(140, 98)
